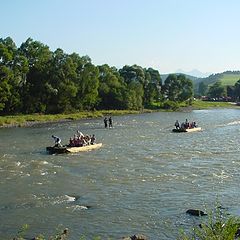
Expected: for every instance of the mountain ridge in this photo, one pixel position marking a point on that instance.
(195, 73)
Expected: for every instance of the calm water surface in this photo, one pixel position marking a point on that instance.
(142, 180)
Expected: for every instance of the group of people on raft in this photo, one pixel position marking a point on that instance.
(185, 125)
(78, 140)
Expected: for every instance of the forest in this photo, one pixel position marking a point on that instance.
(34, 79)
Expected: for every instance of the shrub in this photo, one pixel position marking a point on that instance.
(219, 226)
(170, 105)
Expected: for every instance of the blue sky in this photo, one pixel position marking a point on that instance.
(167, 35)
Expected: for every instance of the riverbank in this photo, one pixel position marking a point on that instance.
(33, 119)
(199, 104)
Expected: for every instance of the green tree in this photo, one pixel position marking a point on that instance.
(186, 92)
(86, 81)
(61, 87)
(33, 89)
(133, 74)
(111, 88)
(178, 88)
(88, 86)
(172, 87)
(13, 69)
(133, 99)
(5, 87)
(202, 88)
(6, 57)
(237, 90)
(217, 90)
(152, 90)
(135, 79)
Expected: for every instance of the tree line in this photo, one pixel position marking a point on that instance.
(220, 92)
(34, 79)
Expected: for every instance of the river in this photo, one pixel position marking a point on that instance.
(142, 180)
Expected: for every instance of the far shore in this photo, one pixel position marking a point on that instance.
(29, 120)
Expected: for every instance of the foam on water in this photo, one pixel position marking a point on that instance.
(234, 123)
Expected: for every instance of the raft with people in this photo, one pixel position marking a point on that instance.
(79, 143)
(179, 130)
(186, 127)
(67, 149)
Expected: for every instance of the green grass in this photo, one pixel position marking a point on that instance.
(22, 120)
(198, 104)
(229, 79)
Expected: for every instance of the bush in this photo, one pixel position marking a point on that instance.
(170, 105)
(219, 226)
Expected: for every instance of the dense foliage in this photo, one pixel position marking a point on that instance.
(221, 86)
(34, 79)
(218, 91)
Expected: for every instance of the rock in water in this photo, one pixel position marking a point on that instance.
(195, 212)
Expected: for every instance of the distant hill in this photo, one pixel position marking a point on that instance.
(227, 78)
(164, 76)
(194, 72)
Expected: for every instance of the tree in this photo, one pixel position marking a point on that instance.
(202, 88)
(237, 90)
(133, 74)
(178, 88)
(152, 90)
(5, 87)
(6, 57)
(33, 89)
(88, 86)
(13, 69)
(217, 90)
(171, 87)
(133, 99)
(111, 88)
(61, 87)
(135, 79)
(230, 92)
(186, 92)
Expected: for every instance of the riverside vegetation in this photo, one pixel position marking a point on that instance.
(35, 80)
(30, 119)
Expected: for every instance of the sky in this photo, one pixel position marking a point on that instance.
(167, 35)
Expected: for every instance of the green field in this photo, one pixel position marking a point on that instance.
(199, 104)
(229, 79)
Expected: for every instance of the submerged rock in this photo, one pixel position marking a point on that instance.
(136, 237)
(195, 212)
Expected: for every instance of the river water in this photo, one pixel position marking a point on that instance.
(142, 180)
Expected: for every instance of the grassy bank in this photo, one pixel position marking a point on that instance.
(30, 119)
(198, 104)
